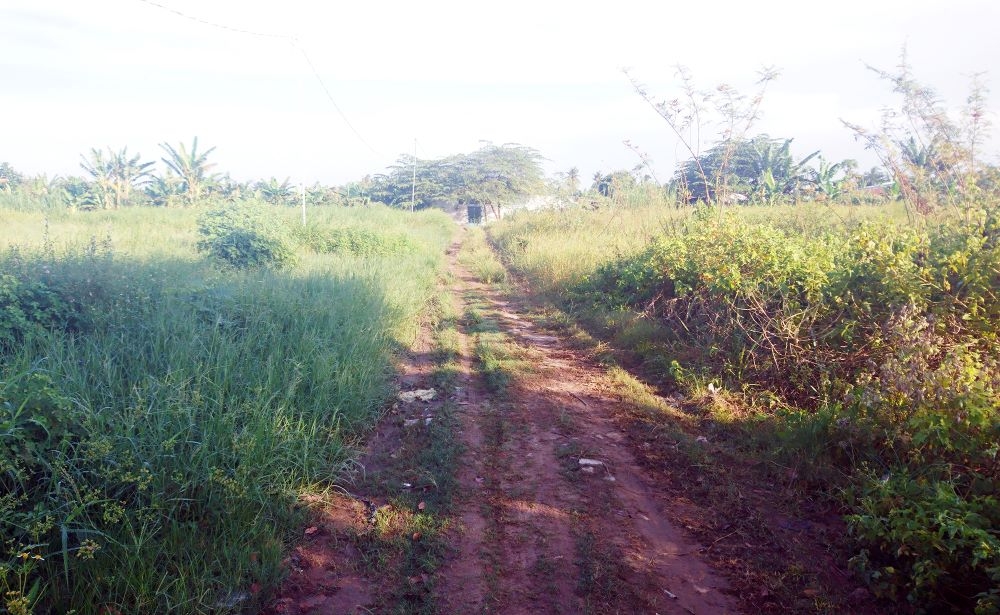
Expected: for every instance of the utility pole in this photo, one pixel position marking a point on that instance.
(413, 187)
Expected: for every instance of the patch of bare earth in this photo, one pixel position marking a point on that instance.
(323, 570)
(781, 548)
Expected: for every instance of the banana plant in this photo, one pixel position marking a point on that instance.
(191, 167)
(115, 176)
(276, 193)
(773, 170)
(826, 179)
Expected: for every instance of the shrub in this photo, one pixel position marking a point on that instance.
(929, 542)
(245, 237)
(29, 308)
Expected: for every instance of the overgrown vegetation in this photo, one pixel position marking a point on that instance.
(161, 415)
(861, 343)
(172, 381)
(479, 258)
(245, 237)
(407, 544)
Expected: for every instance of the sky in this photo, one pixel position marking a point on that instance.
(330, 92)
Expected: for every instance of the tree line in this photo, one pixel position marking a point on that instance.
(117, 178)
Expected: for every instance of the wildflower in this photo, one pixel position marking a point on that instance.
(87, 549)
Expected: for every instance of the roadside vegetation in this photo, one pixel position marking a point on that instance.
(172, 382)
(851, 342)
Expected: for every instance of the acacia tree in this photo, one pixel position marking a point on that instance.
(192, 168)
(494, 176)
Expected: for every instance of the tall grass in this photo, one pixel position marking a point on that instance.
(557, 248)
(155, 445)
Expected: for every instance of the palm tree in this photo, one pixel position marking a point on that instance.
(191, 167)
(573, 179)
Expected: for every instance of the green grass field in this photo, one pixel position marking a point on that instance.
(162, 413)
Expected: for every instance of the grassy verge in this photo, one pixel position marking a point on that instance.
(406, 545)
(162, 415)
(479, 258)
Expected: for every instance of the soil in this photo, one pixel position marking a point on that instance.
(560, 505)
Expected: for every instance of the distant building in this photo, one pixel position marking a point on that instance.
(479, 213)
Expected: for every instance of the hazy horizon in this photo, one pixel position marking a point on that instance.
(134, 73)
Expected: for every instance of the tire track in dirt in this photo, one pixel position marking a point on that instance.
(533, 530)
(540, 532)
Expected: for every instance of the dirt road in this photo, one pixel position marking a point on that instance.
(550, 512)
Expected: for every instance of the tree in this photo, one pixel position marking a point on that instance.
(78, 193)
(761, 168)
(691, 114)
(875, 176)
(166, 191)
(934, 159)
(9, 178)
(115, 176)
(191, 167)
(613, 183)
(567, 183)
(573, 179)
(493, 176)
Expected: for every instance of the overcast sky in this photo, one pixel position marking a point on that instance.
(449, 74)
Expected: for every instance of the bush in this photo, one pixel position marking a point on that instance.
(245, 237)
(29, 308)
(929, 542)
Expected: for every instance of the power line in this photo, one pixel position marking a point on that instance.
(212, 23)
(329, 96)
(291, 40)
